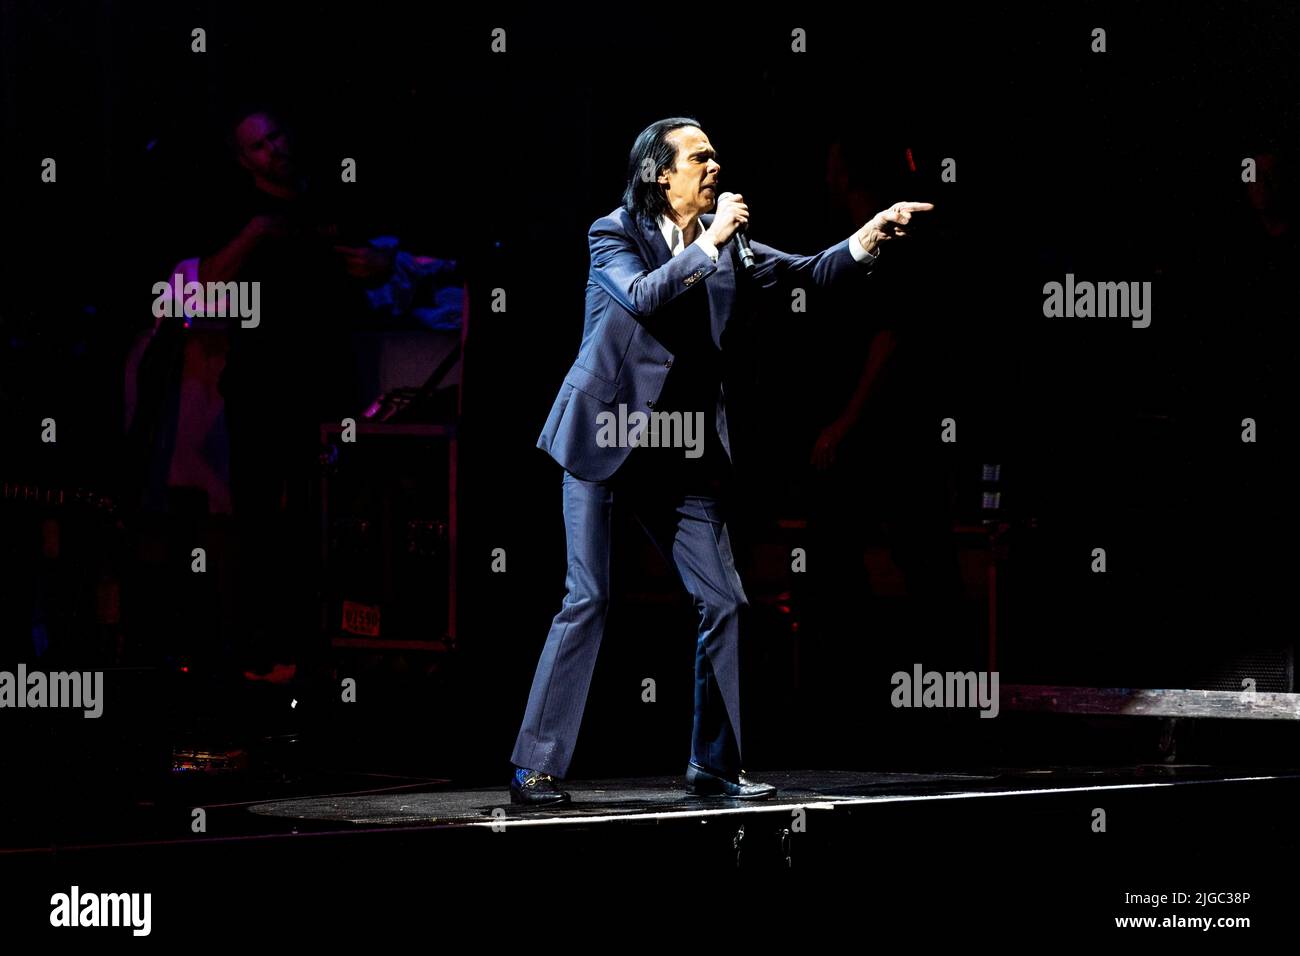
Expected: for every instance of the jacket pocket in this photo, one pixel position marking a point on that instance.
(585, 380)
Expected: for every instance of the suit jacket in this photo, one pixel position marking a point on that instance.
(634, 279)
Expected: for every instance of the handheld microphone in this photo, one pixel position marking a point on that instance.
(742, 242)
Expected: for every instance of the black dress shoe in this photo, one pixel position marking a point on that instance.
(534, 788)
(701, 783)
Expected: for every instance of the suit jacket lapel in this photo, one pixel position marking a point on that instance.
(721, 285)
(722, 289)
(646, 234)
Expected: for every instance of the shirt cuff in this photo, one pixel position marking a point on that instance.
(709, 248)
(859, 252)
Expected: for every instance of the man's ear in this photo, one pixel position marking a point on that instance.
(243, 160)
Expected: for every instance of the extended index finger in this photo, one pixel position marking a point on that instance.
(915, 206)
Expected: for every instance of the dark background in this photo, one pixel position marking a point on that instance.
(1123, 166)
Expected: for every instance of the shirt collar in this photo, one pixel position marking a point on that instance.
(672, 234)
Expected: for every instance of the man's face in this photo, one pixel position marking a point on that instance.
(264, 148)
(693, 181)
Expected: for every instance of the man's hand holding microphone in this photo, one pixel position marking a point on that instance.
(732, 214)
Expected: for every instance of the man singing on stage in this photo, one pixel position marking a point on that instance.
(661, 290)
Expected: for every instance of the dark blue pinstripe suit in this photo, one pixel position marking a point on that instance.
(654, 325)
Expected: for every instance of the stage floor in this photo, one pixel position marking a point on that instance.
(664, 798)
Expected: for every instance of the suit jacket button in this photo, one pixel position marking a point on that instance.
(668, 364)
(650, 403)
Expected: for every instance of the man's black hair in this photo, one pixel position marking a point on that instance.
(653, 152)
